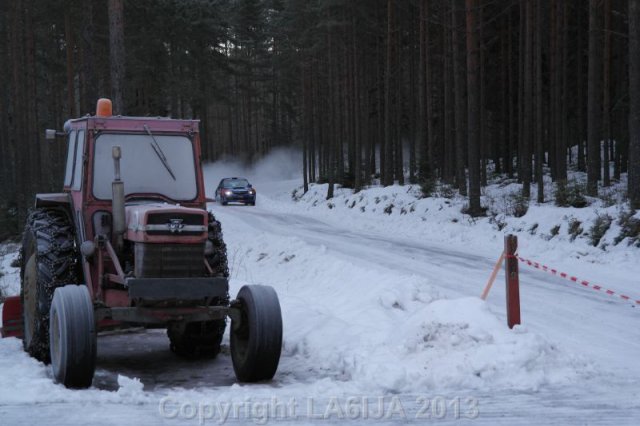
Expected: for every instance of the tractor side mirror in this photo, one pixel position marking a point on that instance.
(51, 134)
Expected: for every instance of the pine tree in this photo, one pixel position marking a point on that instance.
(634, 103)
(117, 54)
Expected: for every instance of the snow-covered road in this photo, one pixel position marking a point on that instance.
(366, 314)
(590, 323)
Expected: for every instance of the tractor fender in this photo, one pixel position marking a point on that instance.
(61, 199)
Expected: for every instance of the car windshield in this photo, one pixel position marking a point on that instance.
(235, 183)
(142, 171)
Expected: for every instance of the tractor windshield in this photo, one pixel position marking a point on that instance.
(142, 171)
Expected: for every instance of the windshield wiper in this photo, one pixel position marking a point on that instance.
(159, 152)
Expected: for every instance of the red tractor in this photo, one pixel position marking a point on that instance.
(129, 242)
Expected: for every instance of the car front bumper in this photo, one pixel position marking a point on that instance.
(248, 198)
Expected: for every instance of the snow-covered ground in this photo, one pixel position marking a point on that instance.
(382, 321)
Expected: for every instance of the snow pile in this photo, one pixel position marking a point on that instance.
(350, 327)
(131, 389)
(27, 381)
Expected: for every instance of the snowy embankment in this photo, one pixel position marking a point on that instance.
(369, 329)
(562, 238)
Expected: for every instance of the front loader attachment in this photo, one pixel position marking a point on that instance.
(12, 318)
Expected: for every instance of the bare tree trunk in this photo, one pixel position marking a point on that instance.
(525, 155)
(458, 82)
(333, 128)
(398, 154)
(357, 113)
(521, 88)
(594, 101)
(553, 115)
(428, 96)
(473, 103)
(634, 104)
(387, 173)
(561, 90)
(425, 160)
(117, 54)
(482, 102)
(580, 94)
(306, 131)
(449, 138)
(503, 151)
(69, 47)
(89, 80)
(606, 98)
(512, 131)
(539, 103)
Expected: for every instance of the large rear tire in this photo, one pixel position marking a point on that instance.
(49, 259)
(72, 337)
(256, 340)
(197, 339)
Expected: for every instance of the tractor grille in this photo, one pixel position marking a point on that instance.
(169, 260)
(166, 218)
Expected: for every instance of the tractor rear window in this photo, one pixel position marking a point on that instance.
(142, 169)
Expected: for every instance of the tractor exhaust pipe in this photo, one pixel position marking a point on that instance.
(117, 202)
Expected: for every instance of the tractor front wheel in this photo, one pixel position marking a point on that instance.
(256, 335)
(72, 337)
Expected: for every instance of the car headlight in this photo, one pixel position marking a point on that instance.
(227, 193)
(251, 191)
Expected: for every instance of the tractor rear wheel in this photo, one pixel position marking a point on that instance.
(49, 259)
(199, 339)
(72, 337)
(256, 339)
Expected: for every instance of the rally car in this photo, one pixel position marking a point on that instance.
(235, 190)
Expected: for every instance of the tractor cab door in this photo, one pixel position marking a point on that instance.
(75, 160)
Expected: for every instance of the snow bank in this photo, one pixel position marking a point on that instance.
(27, 381)
(559, 237)
(359, 329)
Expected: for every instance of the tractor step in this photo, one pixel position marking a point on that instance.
(12, 318)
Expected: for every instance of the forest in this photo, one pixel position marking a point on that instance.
(371, 91)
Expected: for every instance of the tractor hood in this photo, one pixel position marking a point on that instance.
(165, 223)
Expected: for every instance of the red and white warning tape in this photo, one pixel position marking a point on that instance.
(585, 283)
